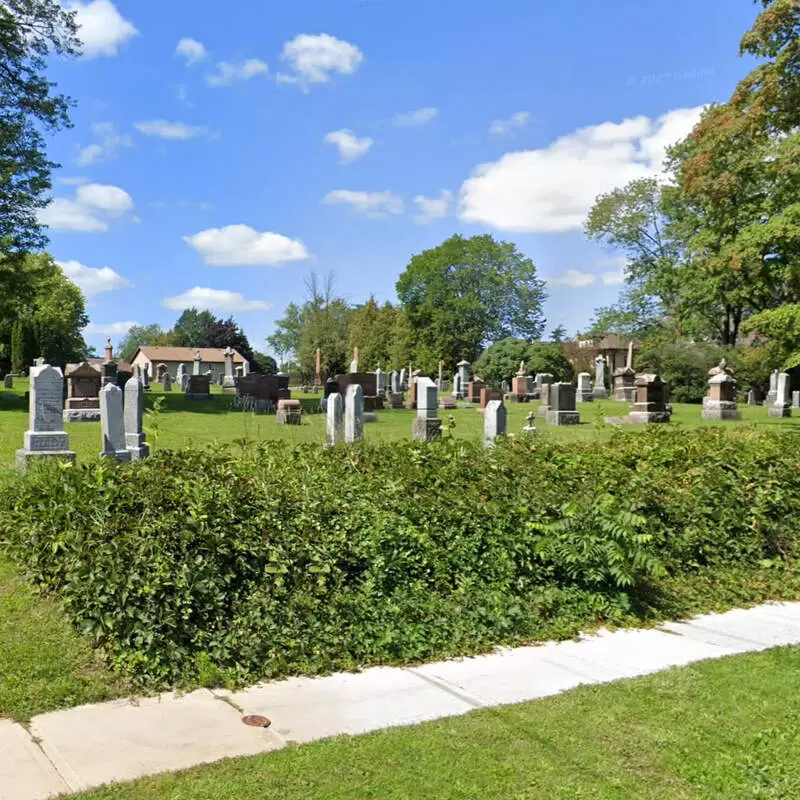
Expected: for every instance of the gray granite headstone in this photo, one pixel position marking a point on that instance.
(773, 388)
(795, 399)
(353, 413)
(134, 420)
(494, 422)
(179, 375)
(197, 364)
(584, 392)
(781, 407)
(45, 436)
(167, 382)
(334, 425)
(112, 423)
(8, 382)
(426, 426)
(229, 381)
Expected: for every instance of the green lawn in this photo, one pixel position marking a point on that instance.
(44, 665)
(719, 729)
(185, 422)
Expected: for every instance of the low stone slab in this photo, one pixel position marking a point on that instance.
(25, 772)
(123, 740)
(81, 415)
(305, 709)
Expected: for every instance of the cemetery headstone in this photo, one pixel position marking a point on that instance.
(474, 389)
(624, 385)
(584, 393)
(198, 387)
(229, 380)
(402, 387)
(354, 414)
(599, 392)
(334, 423)
(487, 395)
(463, 377)
(146, 378)
(752, 398)
(45, 437)
(109, 372)
(649, 405)
(167, 381)
(795, 399)
(494, 422)
(561, 409)
(720, 402)
(781, 407)
(112, 423)
(289, 412)
(197, 364)
(544, 381)
(426, 426)
(773, 388)
(133, 414)
(8, 382)
(83, 393)
(380, 381)
(354, 362)
(521, 388)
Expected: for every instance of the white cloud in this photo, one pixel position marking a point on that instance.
(370, 204)
(170, 130)
(89, 212)
(552, 190)
(431, 208)
(571, 279)
(240, 245)
(229, 72)
(214, 300)
(314, 58)
(77, 180)
(109, 145)
(502, 126)
(415, 118)
(101, 28)
(613, 278)
(108, 328)
(192, 50)
(350, 146)
(93, 281)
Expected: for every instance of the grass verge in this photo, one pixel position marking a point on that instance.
(719, 729)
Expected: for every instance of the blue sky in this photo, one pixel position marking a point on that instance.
(221, 152)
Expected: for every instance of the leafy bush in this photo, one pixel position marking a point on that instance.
(683, 366)
(501, 360)
(205, 566)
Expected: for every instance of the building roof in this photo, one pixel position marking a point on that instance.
(210, 355)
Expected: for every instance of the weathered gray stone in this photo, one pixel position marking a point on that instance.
(427, 398)
(562, 405)
(167, 382)
(795, 399)
(495, 420)
(773, 388)
(134, 420)
(354, 414)
(45, 436)
(649, 404)
(720, 402)
(229, 380)
(197, 366)
(781, 406)
(289, 412)
(112, 424)
(584, 392)
(8, 382)
(425, 429)
(600, 392)
(334, 422)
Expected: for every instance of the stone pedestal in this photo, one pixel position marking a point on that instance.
(544, 397)
(584, 392)
(425, 429)
(599, 392)
(720, 402)
(289, 412)
(649, 406)
(624, 385)
(199, 387)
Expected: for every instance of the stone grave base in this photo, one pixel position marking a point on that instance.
(291, 415)
(25, 457)
(720, 410)
(584, 398)
(370, 416)
(779, 411)
(563, 417)
(624, 395)
(425, 430)
(600, 394)
(646, 417)
(81, 415)
(139, 453)
(119, 456)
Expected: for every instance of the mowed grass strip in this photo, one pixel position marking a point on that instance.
(44, 664)
(718, 729)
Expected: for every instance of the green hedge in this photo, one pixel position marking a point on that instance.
(204, 565)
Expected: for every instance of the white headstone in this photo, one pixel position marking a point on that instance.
(427, 398)
(134, 419)
(198, 364)
(112, 424)
(494, 421)
(334, 427)
(354, 414)
(229, 381)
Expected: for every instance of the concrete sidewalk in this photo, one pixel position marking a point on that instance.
(81, 748)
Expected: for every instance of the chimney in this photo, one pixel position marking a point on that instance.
(109, 351)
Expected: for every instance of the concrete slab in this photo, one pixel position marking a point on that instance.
(305, 709)
(509, 676)
(761, 627)
(123, 740)
(25, 772)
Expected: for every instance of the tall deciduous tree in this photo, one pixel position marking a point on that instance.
(29, 31)
(371, 328)
(143, 336)
(227, 333)
(189, 330)
(468, 292)
(285, 341)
